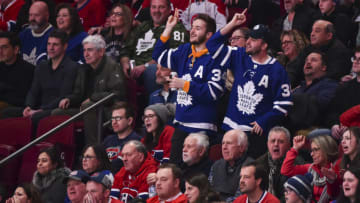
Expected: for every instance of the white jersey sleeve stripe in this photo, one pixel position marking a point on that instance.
(216, 85)
(212, 92)
(169, 58)
(218, 52)
(226, 58)
(280, 109)
(161, 56)
(283, 103)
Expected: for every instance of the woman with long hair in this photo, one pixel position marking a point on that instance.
(67, 19)
(350, 187)
(350, 144)
(25, 193)
(198, 190)
(158, 134)
(120, 24)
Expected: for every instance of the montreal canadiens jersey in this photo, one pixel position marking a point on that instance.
(195, 109)
(261, 91)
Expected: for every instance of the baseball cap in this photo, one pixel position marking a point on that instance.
(260, 31)
(78, 175)
(104, 177)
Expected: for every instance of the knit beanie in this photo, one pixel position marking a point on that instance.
(301, 185)
(161, 111)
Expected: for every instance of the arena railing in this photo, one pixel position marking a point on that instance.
(98, 104)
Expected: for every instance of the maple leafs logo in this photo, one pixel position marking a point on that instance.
(146, 43)
(247, 100)
(31, 58)
(183, 98)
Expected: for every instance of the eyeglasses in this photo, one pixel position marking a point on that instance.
(235, 38)
(87, 157)
(286, 42)
(355, 59)
(314, 150)
(149, 116)
(118, 14)
(117, 118)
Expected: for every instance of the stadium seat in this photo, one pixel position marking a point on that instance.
(215, 152)
(15, 132)
(64, 137)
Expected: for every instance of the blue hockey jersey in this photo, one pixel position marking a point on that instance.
(33, 45)
(195, 109)
(261, 91)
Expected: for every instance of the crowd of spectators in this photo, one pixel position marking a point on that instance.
(271, 86)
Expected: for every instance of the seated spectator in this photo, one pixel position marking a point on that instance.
(278, 144)
(299, 16)
(342, 23)
(53, 80)
(168, 178)
(75, 186)
(15, 74)
(350, 144)
(94, 159)
(95, 80)
(298, 188)
(195, 155)
(67, 19)
(98, 188)
(34, 38)
(119, 30)
(130, 181)
(22, 20)
(141, 45)
(25, 192)
(312, 97)
(158, 134)
(292, 43)
(253, 180)
(48, 178)
(350, 192)
(323, 38)
(216, 9)
(122, 120)
(325, 169)
(9, 11)
(87, 10)
(346, 96)
(224, 174)
(165, 94)
(198, 189)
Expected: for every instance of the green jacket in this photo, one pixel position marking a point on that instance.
(141, 41)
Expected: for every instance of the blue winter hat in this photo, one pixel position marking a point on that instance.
(301, 185)
(78, 175)
(319, 132)
(104, 177)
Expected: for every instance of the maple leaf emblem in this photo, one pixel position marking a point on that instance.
(31, 58)
(247, 99)
(146, 43)
(183, 98)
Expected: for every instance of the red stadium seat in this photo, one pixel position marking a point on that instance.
(15, 132)
(64, 137)
(215, 152)
(9, 171)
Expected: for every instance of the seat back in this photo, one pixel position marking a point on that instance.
(215, 152)
(15, 132)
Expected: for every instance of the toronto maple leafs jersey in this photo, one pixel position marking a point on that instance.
(261, 91)
(195, 109)
(33, 45)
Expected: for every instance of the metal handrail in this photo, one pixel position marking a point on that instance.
(55, 129)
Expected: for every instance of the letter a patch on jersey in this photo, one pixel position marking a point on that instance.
(247, 99)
